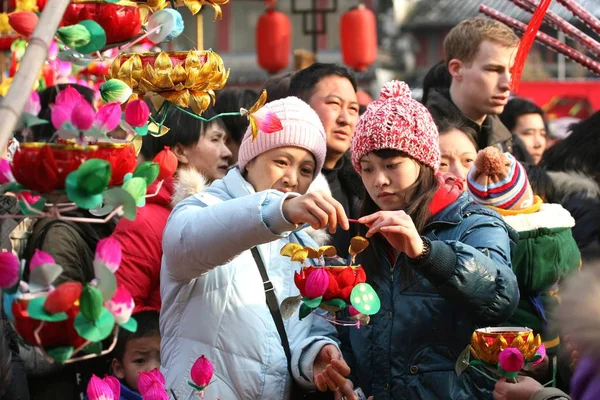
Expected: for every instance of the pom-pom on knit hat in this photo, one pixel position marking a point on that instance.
(302, 127)
(497, 179)
(396, 121)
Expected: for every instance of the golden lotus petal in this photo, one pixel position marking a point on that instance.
(218, 12)
(192, 60)
(327, 251)
(199, 101)
(289, 249)
(262, 99)
(518, 343)
(311, 252)
(300, 255)
(178, 75)
(253, 127)
(178, 97)
(357, 245)
(115, 67)
(153, 130)
(131, 71)
(163, 62)
(193, 5)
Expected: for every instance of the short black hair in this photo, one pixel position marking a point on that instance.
(183, 129)
(303, 82)
(278, 86)
(517, 107)
(230, 100)
(541, 183)
(438, 77)
(445, 125)
(43, 133)
(147, 326)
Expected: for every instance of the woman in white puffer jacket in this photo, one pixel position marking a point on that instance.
(212, 292)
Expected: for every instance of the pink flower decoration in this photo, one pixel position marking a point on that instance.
(53, 50)
(6, 174)
(60, 114)
(511, 360)
(82, 116)
(155, 392)
(41, 258)
(267, 121)
(121, 305)
(33, 105)
(10, 269)
(63, 68)
(353, 311)
(317, 283)
(114, 385)
(97, 389)
(69, 97)
(151, 385)
(202, 372)
(108, 251)
(108, 117)
(29, 198)
(137, 113)
(542, 352)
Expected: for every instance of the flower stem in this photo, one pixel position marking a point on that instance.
(484, 374)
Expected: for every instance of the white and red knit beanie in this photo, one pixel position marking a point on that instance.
(396, 121)
(301, 128)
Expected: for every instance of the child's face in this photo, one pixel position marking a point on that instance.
(141, 355)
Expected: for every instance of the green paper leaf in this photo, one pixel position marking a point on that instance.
(462, 363)
(289, 306)
(42, 276)
(115, 90)
(75, 57)
(141, 130)
(38, 205)
(136, 187)
(148, 170)
(95, 331)
(364, 298)
(12, 187)
(304, 311)
(32, 120)
(506, 374)
(97, 37)
(196, 387)
(60, 354)
(74, 35)
(131, 325)
(333, 305)
(90, 302)
(93, 176)
(93, 348)
(312, 303)
(36, 310)
(116, 197)
(107, 281)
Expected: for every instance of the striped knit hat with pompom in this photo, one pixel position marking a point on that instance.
(498, 180)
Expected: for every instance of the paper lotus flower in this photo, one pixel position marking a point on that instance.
(317, 283)
(511, 360)
(108, 117)
(196, 5)
(115, 90)
(10, 270)
(99, 389)
(151, 385)
(201, 373)
(6, 175)
(137, 114)
(260, 118)
(340, 281)
(121, 305)
(186, 79)
(40, 258)
(23, 22)
(108, 251)
(33, 105)
(488, 343)
(168, 163)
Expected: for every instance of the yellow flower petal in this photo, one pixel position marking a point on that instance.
(163, 62)
(179, 97)
(262, 99)
(193, 5)
(200, 101)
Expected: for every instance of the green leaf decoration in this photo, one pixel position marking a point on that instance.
(75, 57)
(42, 276)
(12, 187)
(289, 306)
(148, 170)
(60, 354)
(95, 331)
(364, 298)
(312, 303)
(107, 281)
(36, 310)
(97, 37)
(93, 348)
(136, 187)
(85, 185)
(333, 305)
(304, 311)
(116, 197)
(131, 325)
(462, 363)
(31, 120)
(90, 302)
(141, 130)
(74, 35)
(38, 205)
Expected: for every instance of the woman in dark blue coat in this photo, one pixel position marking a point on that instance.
(440, 264)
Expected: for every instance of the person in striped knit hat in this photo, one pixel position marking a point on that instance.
(546, 252)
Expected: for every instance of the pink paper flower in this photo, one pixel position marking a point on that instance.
(68, 97)
(108, 251)
(41, 258)
(10, 269)
(353, 311)
(29, 198)
(114, 385)
(121, 305)
(60, 114)
(82, 116)
(511, 360)
(151, 385)
(137, 113)
(155, 392)
(33, 105)
(542, 352)
(108, 117)
(202, 372)
(267, 121)
(6, 174)
(317, 283)
(97, 389)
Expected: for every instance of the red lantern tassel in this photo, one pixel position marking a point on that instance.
(526, 43)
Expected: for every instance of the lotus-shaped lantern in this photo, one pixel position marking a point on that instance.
(488, 343)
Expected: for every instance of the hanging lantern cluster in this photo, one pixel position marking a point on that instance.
(358, 38)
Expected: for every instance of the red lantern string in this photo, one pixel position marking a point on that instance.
(526, 43)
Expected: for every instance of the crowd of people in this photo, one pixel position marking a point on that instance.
(476, 215)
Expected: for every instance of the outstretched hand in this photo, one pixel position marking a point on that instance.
(330, 372)
(317, 209)
(398, 228)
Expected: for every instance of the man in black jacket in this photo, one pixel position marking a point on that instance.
(330, 90)
(479, 53)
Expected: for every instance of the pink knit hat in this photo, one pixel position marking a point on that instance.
(396, 121)
(301, 128)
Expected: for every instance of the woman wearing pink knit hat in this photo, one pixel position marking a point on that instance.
(440, 264)
(221, 266)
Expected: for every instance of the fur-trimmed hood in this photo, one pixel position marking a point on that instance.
(568, 183)
(549, 216)
(189, 182)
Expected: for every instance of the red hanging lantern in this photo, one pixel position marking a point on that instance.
(273, 40)
(358, 37)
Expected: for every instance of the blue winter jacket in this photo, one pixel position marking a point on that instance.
(429, 311)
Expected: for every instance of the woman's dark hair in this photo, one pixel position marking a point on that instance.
(445, 125)
(418, 196)
(541, 183)
(277, 86)
(438, 77)
(231, 100)
(517, 107)
(578, 152)
(183, 129)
